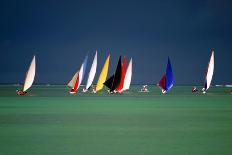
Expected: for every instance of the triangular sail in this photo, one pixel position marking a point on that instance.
(92, 72)
(123, 71)
(73, 80)
(78, 76)
(210, 71)
(30, 75)
(76, 85)
(117, 75)
(103, 74)
(128, 76)
(166, 82)
(169, 76)
(162, 82)
(109, 83)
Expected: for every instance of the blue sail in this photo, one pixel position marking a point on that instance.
(84, 65)
(169, 76)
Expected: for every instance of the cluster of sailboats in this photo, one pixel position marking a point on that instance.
(118, 82)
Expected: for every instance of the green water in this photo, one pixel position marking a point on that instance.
(51, 121)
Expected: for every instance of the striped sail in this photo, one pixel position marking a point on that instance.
(92, 72)
(103, 75)
(73, 80)
(30, 75)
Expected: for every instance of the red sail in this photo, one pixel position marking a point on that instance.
(74, 89)
(162, 82)
(123, 72)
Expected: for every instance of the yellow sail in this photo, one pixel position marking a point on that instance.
(103, 75)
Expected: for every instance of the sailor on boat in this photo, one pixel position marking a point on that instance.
(194, 89)
(94, 90)
(72, 91)
(144, 88)
(164, 91)
(203, 90)
(84, 90)
(21, 92)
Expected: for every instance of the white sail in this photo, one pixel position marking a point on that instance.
(92, 72)
(80, 75)
(30, 76)
(210, 71)
(128, 76)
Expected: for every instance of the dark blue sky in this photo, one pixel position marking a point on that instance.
(61, 33)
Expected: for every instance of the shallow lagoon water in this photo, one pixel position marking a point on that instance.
(51, 121)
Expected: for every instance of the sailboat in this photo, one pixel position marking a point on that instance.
(123, 72)
(103, 75)
(113, 82)
(166, 82)
(30, 76)
(128, 76)
(92, 73)
(76, 80)
(209, 73)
